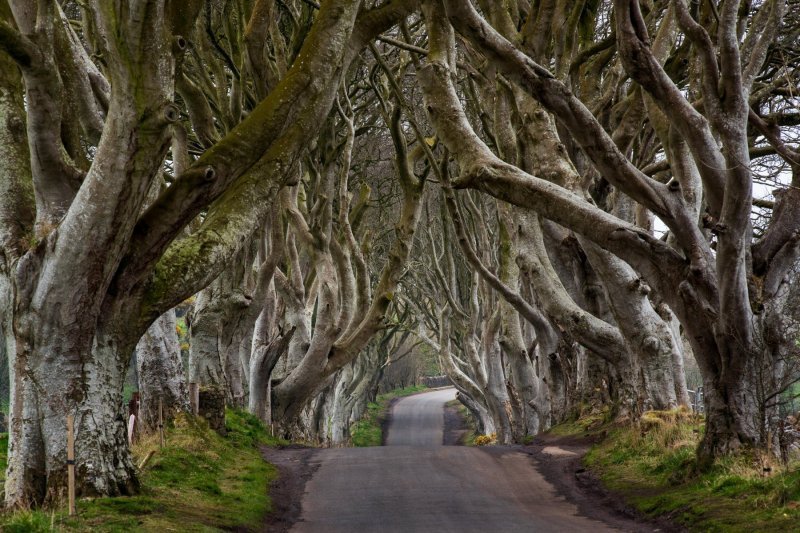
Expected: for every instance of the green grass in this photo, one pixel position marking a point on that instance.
(584, 426)
(653, 467)
(368, 431)
(3, 456)
(200, 481)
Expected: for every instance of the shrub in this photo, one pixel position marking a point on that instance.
(486, 440)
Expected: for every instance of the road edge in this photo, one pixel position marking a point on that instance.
(583, 489)
(286, 491)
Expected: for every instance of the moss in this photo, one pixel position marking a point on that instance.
(653, 466)
(200, 481)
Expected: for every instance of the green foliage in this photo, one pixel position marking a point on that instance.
(653, 466)
(183, 333)
(368, 431)
(399, 393)
(245, 430)
(430, 359)
(199, 481)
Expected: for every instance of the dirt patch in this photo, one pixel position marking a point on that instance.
(455, 427)
(294, 471)
(560, 461)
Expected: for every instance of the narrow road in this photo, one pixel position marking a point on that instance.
(419, 420)
(414, 484)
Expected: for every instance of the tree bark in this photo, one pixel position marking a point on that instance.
(262, 362)
(47, 385)
(160, 371)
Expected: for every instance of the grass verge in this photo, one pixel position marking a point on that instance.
(652, 466)
(200, 481)
(470, 424)
(369, 430)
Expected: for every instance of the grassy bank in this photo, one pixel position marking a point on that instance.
(470, 434)
(369, 430)
(199, 482)
(653, 467)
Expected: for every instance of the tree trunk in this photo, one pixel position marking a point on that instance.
(234, 372)
(56, 374)
(678, 356)
(205, 363)
(649, 340)
(484, 421)
(262, 362)
(496, 393)
(365, 392)
(160, 371)
(733, 417)
(522, 376)
(222, 325)
(557, 381)
(351, 395)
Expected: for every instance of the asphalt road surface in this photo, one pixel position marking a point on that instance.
(419, 420)
(415, 484)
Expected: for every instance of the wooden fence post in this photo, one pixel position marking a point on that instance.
(161, 420)
(71, 463)
(268, 414)
(194, 398)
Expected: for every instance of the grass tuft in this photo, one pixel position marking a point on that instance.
(28, 522)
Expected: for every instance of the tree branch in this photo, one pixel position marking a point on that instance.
(18, 47)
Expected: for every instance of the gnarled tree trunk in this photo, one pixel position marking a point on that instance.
(160, 371)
